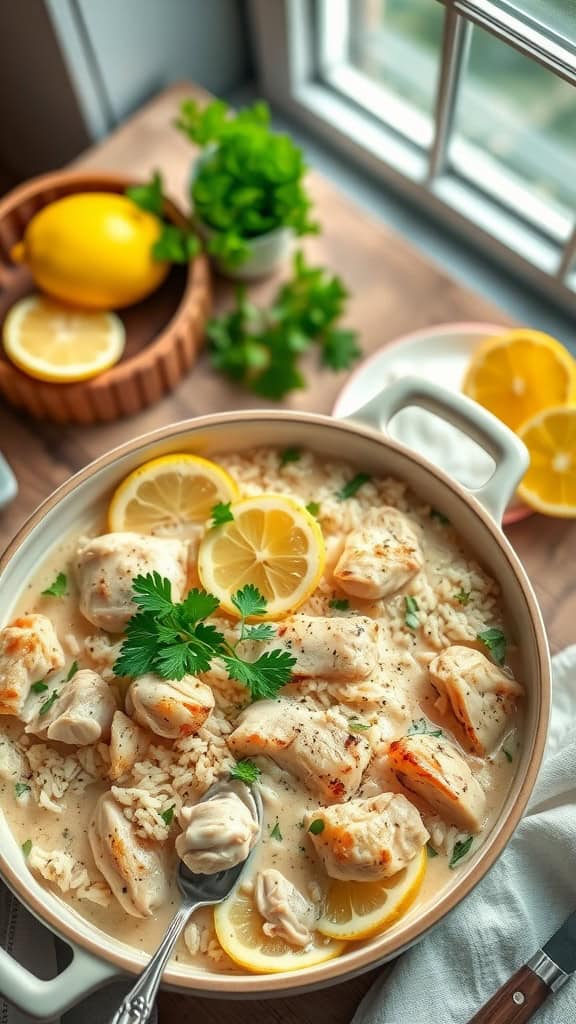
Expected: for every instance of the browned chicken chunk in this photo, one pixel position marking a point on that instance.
(379, 557)
(29, 650)
(324, 648)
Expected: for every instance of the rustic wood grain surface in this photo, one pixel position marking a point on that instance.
(394, 290)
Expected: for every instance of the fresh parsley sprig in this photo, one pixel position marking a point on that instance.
(58, 587)
(495, 640)
(245, 771)
(174, 244)
(173, 640)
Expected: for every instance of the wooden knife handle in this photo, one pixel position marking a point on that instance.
(516, 1001)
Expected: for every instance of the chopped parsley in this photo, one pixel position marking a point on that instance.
(173, 640)
(313, 507)
(439, 516)
(58, 587)
(355, 725)
(507, 755)
(168, 815)
(290, 455)
(275, 833)
(495, 641)
(245, 771)
(411, 617)
(461, 848)
(431, 851)
(222, 513)
(340, 604)
(20, 788)
(39, 687)
(72, 671)
(463, 597)
(317, 826)
(26, 847)
(353, 486)
(422, 728)
(48, 703)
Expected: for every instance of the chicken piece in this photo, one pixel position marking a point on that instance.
(169, 707)
(287, 913)
(434, 770)
(134, 869)
(480, 695)
(82, 714)
(128, 744)
(367, 840)
(381, 556)
(219, 832)
(316, 748)
(13, 766)
(107, 565)
(324, 648)
(29, 650)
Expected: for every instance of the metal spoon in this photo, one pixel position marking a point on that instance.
(197, 891)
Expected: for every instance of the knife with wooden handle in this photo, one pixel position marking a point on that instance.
(550, 968)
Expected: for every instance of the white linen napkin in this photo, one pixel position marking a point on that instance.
(526, 896)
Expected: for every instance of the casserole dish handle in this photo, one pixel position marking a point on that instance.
(44, 1000)
(509, 453)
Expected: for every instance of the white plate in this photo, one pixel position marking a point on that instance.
(440, 354)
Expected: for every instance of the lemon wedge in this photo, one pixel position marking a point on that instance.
(549, 486)
(518, 374)
(169, 493)
(239, 931)
(357, 910)
(273, 543)
(54, 342)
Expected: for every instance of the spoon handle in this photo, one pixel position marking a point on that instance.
(139, 1002)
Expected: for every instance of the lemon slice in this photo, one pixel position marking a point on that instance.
(549, 486)
(519, 373)
(273, 543)
(239, 931)
(169, 493)
(356, 910)
(54, 342)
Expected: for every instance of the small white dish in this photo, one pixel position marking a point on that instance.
(439, 354)
(8, 483)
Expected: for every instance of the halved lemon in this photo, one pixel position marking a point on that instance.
(519, 373)
(239, 931)
(272, 542)
(169, 493)
(54, 342)
(549, 486)
(356, 910)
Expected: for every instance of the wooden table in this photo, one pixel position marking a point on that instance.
(394, 290)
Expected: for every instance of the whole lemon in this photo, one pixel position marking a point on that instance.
(93, 249)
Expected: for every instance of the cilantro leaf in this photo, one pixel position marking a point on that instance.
(463, 597)
(58, 587)
(355, 725)
(139, 649)
(461, 848)
(261, 631)
(148, 197)
(495, 641)
(249, 601)
(411, 617)
(27, 847)
(153, 593)
(20, 788)
(45, 708)
(275, 833)
(313, 507)
(168, 815)
(339, 603)
(71, 671)
(198, 605)
(339, 349)
(175, 245)
(245, 771)
(39, 687)
(421, 727)
(353, 486)
(221, 513)
(263, 677)
(317, 826)
(290, 455)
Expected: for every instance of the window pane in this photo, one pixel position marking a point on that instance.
(396, 43)
(523, 119)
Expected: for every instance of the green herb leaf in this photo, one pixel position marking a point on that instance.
(175, 245)
(275, 833)
(221, 513)
(27, 847)
(421, 727)
(411, 617)
(495, 641)
(290, 455)
(72, 671)
(439, 516)
(463, 597)
(461, 848)
(507, 755)
(148, 197)
(45, 708)
(355, 725)
(20, 788)
(58, 587)
(339, 603)
(431, 851)
(249, 601)
(313, 507)
(339, 349)
(353, 486)
(153, 593)
(317, 826)
(261, 631)
(246, 771)
(263, 677)
(39, 687)
(168, 815)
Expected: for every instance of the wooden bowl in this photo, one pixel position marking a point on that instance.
(164, 332)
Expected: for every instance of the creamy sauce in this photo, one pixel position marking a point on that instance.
(389, 702)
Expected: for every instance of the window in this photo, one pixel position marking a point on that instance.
(469, 106)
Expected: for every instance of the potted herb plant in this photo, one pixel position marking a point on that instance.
(247, 187)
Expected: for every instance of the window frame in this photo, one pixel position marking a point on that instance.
(286, 34)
